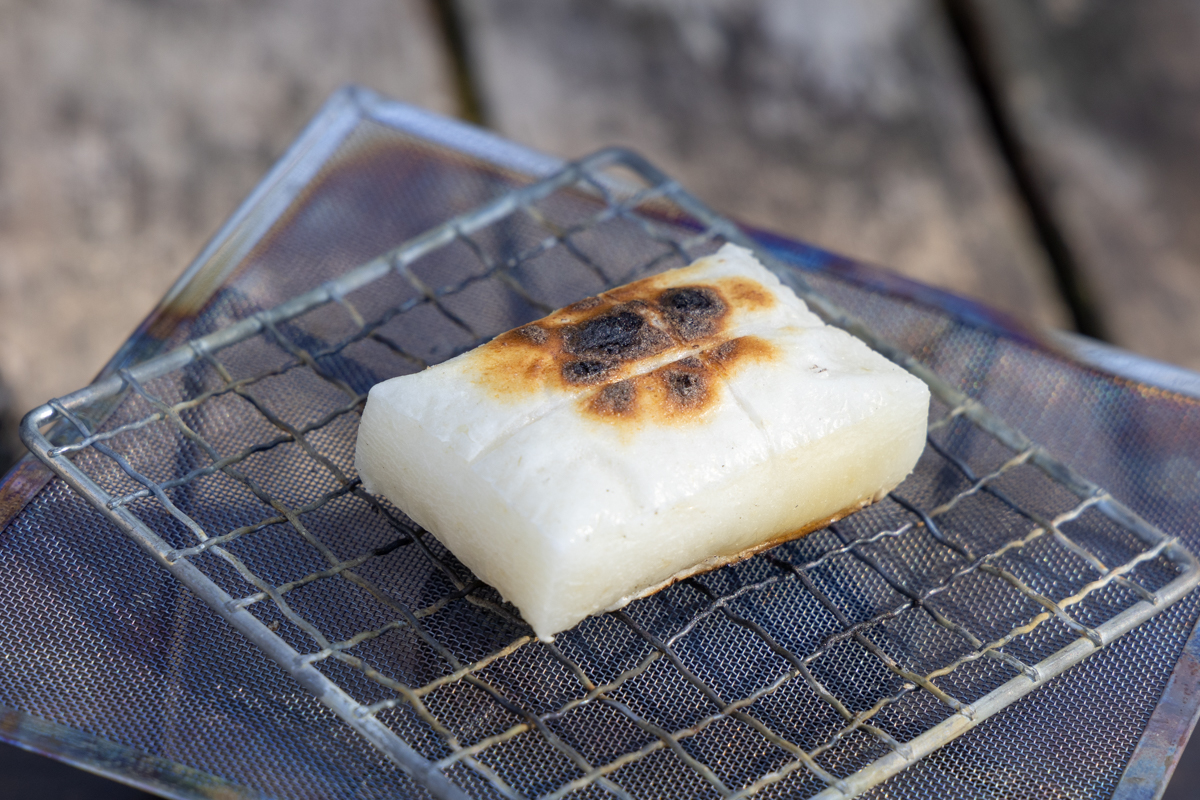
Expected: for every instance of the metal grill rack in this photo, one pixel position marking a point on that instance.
(817, 669)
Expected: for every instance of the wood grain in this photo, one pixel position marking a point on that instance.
(847, 123)
(1105, 98)
(130, 129)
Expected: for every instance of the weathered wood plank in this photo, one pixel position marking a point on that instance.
(847, 123)
(130, 130)
(1105, 97)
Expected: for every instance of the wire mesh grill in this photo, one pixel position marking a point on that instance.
(824, 665)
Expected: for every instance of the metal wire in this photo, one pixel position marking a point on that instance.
(990, 571)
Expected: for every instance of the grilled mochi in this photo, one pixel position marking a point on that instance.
(655, 431)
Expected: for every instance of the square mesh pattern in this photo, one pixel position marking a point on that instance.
(796, 672)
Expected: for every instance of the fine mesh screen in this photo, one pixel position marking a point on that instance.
(782, 674)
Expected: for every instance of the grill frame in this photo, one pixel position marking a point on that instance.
(382, 737)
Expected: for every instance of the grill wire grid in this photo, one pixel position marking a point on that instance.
(793, 673)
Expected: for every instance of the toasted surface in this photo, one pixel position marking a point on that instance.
(684, 420)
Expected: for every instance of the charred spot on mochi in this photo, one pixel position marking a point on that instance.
(678, 393)
(692, 311)
(532, 333)
(685, 388)
(586, 371)
(616, 399)
(621, 333)
(609, 335)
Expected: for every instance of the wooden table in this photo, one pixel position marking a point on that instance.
(1044, 168)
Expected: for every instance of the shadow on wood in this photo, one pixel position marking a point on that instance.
(1105, 97)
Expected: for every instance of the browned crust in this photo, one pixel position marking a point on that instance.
(677, 393)
(716, 562)
(608, 338)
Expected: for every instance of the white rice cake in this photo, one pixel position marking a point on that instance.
(659, 430)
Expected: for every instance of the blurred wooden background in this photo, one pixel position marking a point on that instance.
(1035, 154)
(1039, 155)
